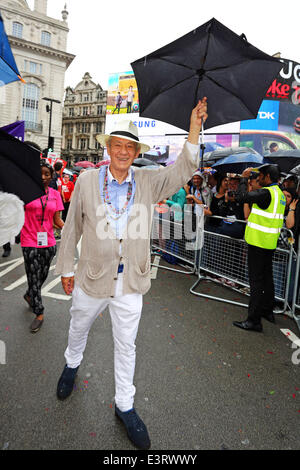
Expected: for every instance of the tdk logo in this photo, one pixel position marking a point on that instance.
(266, 115)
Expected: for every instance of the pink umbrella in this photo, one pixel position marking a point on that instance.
(103, 162)
(85, 164)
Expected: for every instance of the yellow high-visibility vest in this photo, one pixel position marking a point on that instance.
(264, 225)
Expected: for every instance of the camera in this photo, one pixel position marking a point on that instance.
(231, 193)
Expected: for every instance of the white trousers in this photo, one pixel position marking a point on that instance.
(125, 312)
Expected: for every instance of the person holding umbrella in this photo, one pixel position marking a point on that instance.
(261, 234)
(114, 265)
(38, 242)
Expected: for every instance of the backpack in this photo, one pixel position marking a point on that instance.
(173, 247)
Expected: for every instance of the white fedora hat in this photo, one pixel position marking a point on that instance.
(124, 130)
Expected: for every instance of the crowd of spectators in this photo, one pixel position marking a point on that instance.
(216, 196)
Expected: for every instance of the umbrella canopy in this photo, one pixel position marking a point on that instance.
(67, 172)
(210, 61)
(237, 163)
(144, 162)
(8, 68)
(211, 146)
(103, 162)
(286, 159)
(85, 164)
(225, 152)
(20, 171)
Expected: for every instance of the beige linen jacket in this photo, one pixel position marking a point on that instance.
(97, 268)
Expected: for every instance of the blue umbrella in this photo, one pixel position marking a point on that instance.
(238, 162)
(211, 146)
(8, 68)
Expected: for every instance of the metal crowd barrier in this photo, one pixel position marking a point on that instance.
(223, 260)
(296, 293)
(169, 237)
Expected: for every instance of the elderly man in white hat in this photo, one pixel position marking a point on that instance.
(107, 208)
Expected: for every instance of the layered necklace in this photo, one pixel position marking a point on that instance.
(115, 213)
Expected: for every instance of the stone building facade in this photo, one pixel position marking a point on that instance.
(39, 46)
(83, 118)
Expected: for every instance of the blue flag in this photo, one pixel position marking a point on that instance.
(8, 68)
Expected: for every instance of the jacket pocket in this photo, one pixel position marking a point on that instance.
(93, 272)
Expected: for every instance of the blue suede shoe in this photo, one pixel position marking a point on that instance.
(66, 382)
(136, 429)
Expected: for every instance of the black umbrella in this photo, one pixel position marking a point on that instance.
(215, 155)
(143, 162)
(210, 61)
(20, 171)
(286, 159)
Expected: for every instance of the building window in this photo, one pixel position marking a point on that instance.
(82, 144)
(86, 97)
(98, 126)
(99, 109)
(17, 30)
(85, 111)
(46, 38)
(30, 105)
(71, 112)
(69, 144)
(97, 144)
(85, 127)
(33, 67)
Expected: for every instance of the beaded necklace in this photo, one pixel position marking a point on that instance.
(106, 198)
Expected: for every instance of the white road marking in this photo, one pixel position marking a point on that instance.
(154, 269)
(14, 264)
(20, 281)
(45, 290)
(291, 336)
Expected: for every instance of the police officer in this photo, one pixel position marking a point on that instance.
(261, 234)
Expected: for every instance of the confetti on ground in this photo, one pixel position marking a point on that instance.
(92, 434)
(248, 375)
(272, 392)
(209, 352)
(43, 372)
(270, 352)
(110, 405)
(172, 336)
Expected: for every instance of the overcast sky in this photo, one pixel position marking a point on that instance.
(107, 35)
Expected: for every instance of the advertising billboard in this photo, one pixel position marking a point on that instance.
(122, 94)
(277, 125)
(277, 121)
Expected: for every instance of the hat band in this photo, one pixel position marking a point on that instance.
(125, 134)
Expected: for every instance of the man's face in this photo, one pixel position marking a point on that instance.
(254, 184)
(275, 148)
(233, 184)
(122, 153)
(263, 179)
(197, 181)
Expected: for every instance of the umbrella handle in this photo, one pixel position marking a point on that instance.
(202, 145)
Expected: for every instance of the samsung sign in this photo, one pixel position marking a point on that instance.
(267, 117)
